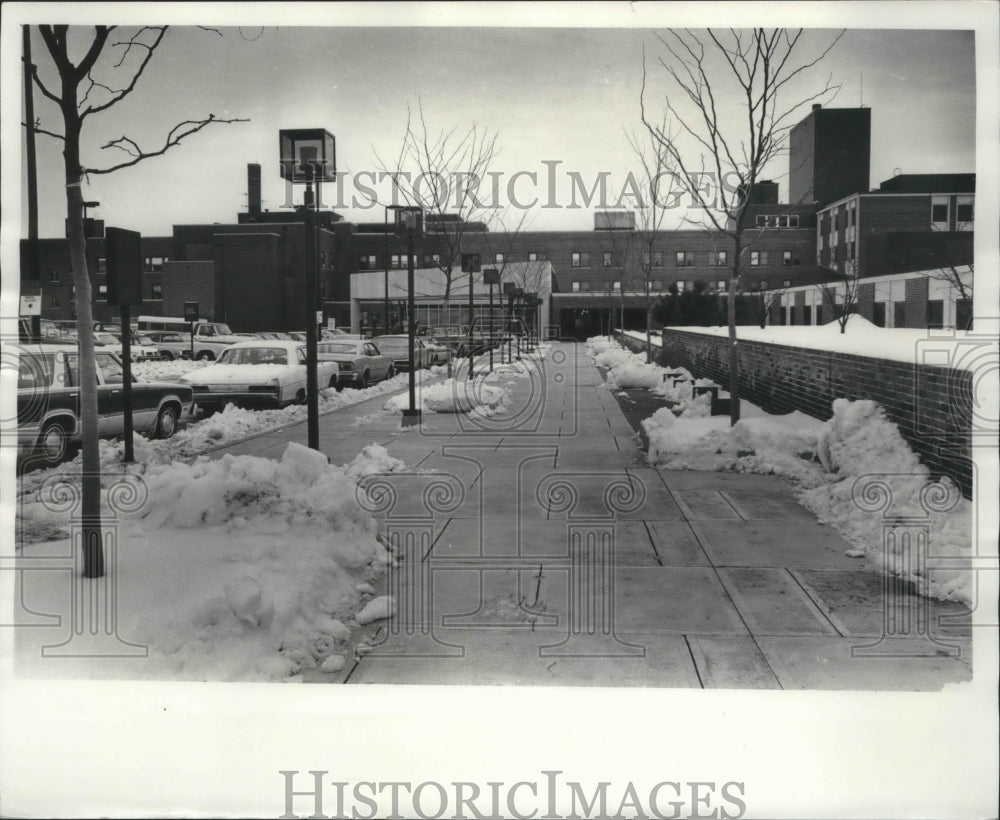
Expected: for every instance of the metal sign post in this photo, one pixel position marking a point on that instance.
(191, 316)
(491, 277)
(124, 260)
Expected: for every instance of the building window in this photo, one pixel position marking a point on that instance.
(102, 265)
(54, 276)
(55, 302)
(322, 259)
(367, 261)
(616, 287)
(935, 314)
(681, 285)
(790, 258)
(656, 285)
(576, 287)
(786, 283)
(154, 264)
(532, 256)
(398, 260)
(685, 259)
(939, 213)
(157, 290)
(431, 260)
(606, 259)
(899, 314)
(964, 213)
(721, 284)
(878, 314)
(758, 258)
(498, 258)
(719, 258)
(580, 260)
(102, 293)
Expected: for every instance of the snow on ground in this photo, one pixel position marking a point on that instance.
(457, 395)
(160, 371)
(960, 349)
(241, 568)
(824, 460)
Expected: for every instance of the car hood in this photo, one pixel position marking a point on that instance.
(238, 373)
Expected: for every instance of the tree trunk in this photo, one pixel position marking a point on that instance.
(91, 467)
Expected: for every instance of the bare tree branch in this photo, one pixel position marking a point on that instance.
(174, 137)
(37, 128)
(118, 96)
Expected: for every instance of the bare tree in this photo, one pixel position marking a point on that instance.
(653, 164)
(700, 70)
(841, 298)
(764, 300)
(442, 173)
(91, 86)
(961, 282)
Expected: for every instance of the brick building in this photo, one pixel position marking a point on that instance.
(249, 274)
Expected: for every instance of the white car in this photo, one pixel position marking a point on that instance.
(261, 373)
(359, 361)
(142, 348)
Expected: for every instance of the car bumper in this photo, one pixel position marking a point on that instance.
(216, 399)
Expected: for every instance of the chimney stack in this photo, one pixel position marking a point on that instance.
(253, 189)
(817, 106)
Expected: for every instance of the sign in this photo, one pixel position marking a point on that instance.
(319, 317)
(31, 304)
(331, 324)
(190, 311)
(123, 250)
(491, 276)
(470, 263)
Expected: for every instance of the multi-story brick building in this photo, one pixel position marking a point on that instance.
(250, 273)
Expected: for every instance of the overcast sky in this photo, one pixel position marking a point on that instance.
(556, 95)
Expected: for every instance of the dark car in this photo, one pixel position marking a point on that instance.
(48, 401)
(397, 347)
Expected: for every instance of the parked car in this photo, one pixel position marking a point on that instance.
(173, 345)
(261, 373)
(397, 348)
(456, 338)
(48, 401)
(210, 338)
(140, 351)
(440, 353)
(359, 361)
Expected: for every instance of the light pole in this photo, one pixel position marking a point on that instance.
(470, 263)
(491, 277)
(410, 220)
(308, 155)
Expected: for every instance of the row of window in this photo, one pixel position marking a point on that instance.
(151, 264)
(777, 220)
(655, 286)
(689, 259)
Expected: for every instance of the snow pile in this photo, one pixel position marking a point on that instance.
(373, 459)
(242, 568)
(455, 396)
(625, 369)
(860, 441)
(826, 459)
(758, 443)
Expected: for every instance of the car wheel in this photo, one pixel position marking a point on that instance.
(168, 356)
(390, 372)
(166, 422)
(363, 383)
(333, 383)
(206, 356)
(300, 397)
(53, 444)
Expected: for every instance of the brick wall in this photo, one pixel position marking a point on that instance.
(916, 302)
(931, 405)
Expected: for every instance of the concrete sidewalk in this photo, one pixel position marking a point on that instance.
(537, 547)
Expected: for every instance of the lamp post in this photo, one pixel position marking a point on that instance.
(491, 277)
(308, 155)
(470, 263)
(410, 221)
(517, 294)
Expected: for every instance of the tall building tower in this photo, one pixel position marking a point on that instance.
(829, 155)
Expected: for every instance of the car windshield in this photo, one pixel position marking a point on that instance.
(106, 339)
(338, 347)
(143, 340)
(254, 355)
(391, 345)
